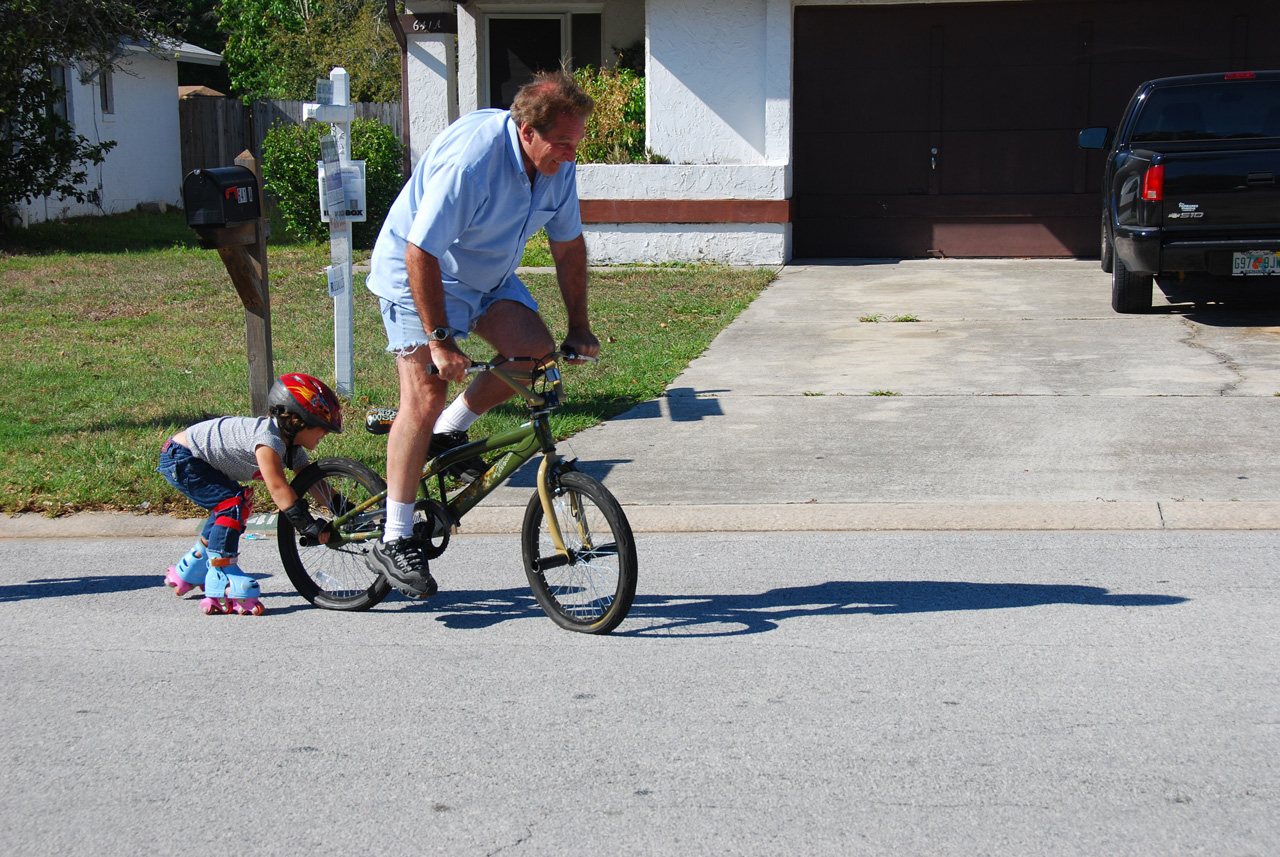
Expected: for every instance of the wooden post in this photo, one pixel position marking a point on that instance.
(243, 249)
(257, 315)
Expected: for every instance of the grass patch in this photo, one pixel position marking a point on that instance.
(870, 319)
(906, 318)
(884, 393)
(109, 348)
(537, 253)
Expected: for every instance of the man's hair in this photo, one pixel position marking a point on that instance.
(550, 95)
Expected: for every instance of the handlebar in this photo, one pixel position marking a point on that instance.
(378, 420)
(478, 366)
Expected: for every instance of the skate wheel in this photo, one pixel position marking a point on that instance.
(213, 606)
(248, 607)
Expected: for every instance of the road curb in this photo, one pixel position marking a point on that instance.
(806, 517)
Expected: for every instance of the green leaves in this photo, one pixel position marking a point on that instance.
(277, 48)
(289, 155)
(615, 130)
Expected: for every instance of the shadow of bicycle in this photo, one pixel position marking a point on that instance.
(736, 615)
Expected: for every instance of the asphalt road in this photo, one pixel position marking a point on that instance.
(893, 693)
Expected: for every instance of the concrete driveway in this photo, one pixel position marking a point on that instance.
(1013, 397)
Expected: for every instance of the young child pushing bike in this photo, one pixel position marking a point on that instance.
(208, 461)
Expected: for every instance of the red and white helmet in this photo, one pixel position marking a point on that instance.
(307, 398)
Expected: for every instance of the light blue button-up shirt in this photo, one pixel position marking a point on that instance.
(470, 204)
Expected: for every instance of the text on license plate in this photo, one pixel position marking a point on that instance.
(1255, 263)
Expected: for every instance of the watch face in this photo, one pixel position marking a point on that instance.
(440, 333)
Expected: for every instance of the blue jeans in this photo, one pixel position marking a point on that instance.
(209, 488)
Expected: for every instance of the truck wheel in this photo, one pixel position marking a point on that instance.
(1130, 292)
(1108, 255)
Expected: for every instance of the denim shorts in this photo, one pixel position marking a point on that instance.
(404, 326)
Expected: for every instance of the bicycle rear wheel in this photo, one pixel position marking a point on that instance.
(591, 590)
(337, 577)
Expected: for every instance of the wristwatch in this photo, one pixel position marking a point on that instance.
(440, 334)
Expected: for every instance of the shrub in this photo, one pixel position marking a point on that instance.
(289, 155)
(615, 131)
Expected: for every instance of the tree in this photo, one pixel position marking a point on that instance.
(42, 41)
(278, 48)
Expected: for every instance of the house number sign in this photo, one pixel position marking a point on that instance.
(429, 24)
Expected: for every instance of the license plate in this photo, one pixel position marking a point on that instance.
(1254, 263)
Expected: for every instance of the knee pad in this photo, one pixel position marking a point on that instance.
(234, 511)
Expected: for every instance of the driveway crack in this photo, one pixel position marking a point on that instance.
(1192, 339)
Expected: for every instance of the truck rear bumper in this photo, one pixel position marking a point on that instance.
(1142, 252)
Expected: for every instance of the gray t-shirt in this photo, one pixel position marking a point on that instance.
(231, 444)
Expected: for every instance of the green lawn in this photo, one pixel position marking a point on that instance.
(116, 332)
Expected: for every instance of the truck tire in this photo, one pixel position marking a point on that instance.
(1130, 292)
(1108, 255)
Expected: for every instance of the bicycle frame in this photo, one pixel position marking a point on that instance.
(521, 445)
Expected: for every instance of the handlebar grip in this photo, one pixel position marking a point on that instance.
(475, 367)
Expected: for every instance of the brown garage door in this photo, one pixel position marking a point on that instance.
(950, 129)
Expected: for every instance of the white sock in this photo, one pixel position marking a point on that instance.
(399, 521)
(456, 417)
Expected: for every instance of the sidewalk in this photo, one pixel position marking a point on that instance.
(1017, 401)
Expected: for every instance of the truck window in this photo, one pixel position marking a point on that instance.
(1210, 111)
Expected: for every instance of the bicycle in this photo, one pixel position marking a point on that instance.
(578, 550)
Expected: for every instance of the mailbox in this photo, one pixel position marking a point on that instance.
(222, 196)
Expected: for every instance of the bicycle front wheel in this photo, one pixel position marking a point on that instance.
(592, 588)
(336, 576)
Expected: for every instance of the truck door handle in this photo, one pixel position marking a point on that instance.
(933, 159)
(1262, 177)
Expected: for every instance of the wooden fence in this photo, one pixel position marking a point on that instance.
(216, 130)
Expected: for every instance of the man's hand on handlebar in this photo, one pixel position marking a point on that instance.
(582, 342)
(450, 362)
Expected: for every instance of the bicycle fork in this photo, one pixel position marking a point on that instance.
(564, 555)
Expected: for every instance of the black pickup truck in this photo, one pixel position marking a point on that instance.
(1192, 183)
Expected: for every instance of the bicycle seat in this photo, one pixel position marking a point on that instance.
(378, 420)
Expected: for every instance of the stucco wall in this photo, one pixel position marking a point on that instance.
(655, 243)
(719, 80)
(146, 164)
(682, 181)
(651, 243)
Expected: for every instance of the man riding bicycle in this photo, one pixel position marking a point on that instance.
(444, 267)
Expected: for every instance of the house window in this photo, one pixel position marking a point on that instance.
(521, 45)
(106, 92)
(60, 108)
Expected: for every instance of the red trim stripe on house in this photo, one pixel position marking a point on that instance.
(685, 210)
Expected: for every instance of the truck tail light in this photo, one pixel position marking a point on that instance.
(1153, 183)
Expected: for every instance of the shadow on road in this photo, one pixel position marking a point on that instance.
(729, 615)
(733, 615)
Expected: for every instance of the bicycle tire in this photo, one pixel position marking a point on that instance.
(592, 591)
(336, 578)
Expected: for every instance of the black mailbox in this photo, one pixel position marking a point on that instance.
(222, 196)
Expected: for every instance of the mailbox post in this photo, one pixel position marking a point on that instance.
(224, 207)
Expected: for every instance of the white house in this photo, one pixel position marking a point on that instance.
(135, 103)
(844, 127)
